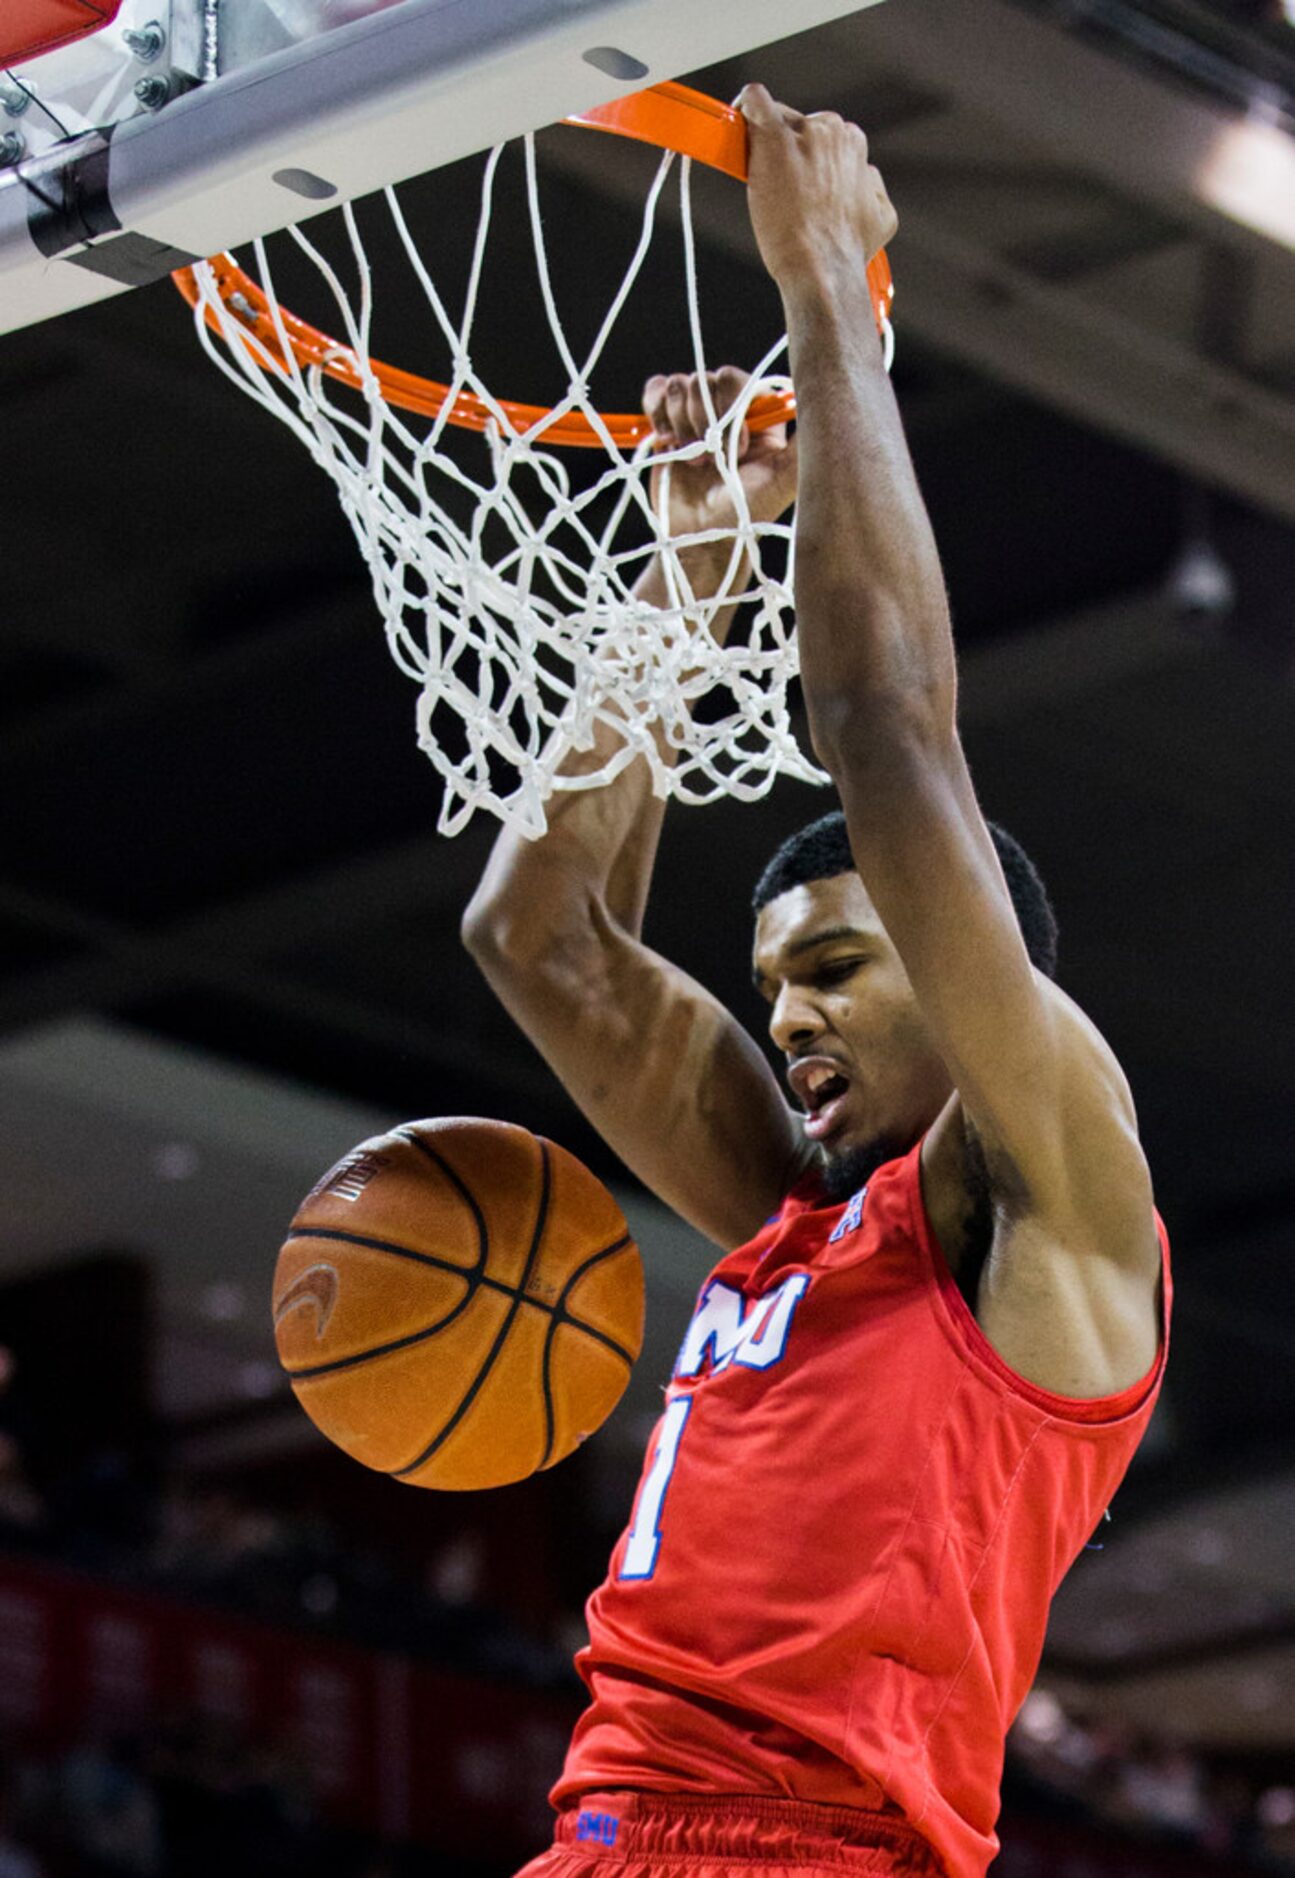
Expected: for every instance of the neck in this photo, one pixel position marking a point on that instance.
(840, 1175)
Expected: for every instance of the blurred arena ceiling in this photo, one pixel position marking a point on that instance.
(219, 830)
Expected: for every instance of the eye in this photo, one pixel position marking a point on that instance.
(837, 971)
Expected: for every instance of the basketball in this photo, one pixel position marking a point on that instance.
(458, 1303)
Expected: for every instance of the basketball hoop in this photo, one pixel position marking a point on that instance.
(527, 649)
(674, 118)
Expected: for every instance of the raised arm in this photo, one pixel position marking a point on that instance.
(1038, 1085)
(668, 1077)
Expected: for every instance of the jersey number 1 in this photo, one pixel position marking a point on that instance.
(645, 1534)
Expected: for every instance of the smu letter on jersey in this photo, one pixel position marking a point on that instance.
(753, 1338)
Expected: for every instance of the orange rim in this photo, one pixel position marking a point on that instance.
(672, 117)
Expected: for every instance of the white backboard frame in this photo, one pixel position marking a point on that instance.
(389, 95)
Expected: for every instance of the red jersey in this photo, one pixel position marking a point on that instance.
(851, 1522)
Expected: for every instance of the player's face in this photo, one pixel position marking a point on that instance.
(861, 1065)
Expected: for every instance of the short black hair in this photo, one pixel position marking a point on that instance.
(823, 849)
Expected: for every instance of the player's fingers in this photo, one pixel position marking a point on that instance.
(727, 385)
(698, 416)
(654, 395)
(889, 215)
(789, 464)
(678, 421)
(764, 111)
(831, 127)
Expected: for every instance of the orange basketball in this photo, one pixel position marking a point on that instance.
(458, 1303)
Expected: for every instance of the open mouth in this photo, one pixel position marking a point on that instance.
(821, 1086)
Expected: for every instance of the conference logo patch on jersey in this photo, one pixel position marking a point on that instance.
(728, 1330)
(851, 1219)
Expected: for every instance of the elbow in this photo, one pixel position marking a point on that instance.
(491, 927)
(492, 941)
(488, 932)
(509, 937)
(475, 926)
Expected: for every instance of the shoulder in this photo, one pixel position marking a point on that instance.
(1063, 1271)
(1087, 1183)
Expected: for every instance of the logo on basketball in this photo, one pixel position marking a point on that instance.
(351, 1176)
(317, 1285)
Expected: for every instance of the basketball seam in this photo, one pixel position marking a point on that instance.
(373, 1351)
(591, 1330)
(562, 1315)
(558, 1312)
(452, 1174)
(382, 1349)
(473, 1274)
(386, 1245)
(501, 1336)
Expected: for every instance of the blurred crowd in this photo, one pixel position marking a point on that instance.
(198, 1801)
(1153, 1789)
(281, 1565)
(301, 1568)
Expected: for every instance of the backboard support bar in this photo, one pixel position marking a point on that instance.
(384, 97)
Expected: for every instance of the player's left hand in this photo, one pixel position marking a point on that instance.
(697, 496)
(818, 206)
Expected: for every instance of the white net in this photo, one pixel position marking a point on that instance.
(506, 585)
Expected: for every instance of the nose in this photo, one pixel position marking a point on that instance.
(794, 1021)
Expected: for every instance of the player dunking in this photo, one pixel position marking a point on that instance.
(906, 1399)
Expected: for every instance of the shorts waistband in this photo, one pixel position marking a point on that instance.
(762, 1827)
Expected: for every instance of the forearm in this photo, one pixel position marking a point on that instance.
(601, 843)
(872, 616)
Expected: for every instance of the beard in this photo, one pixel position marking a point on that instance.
(841, 1175)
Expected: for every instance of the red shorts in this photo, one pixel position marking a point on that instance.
(676, 1835)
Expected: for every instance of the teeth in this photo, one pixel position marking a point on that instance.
(817, 1077)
